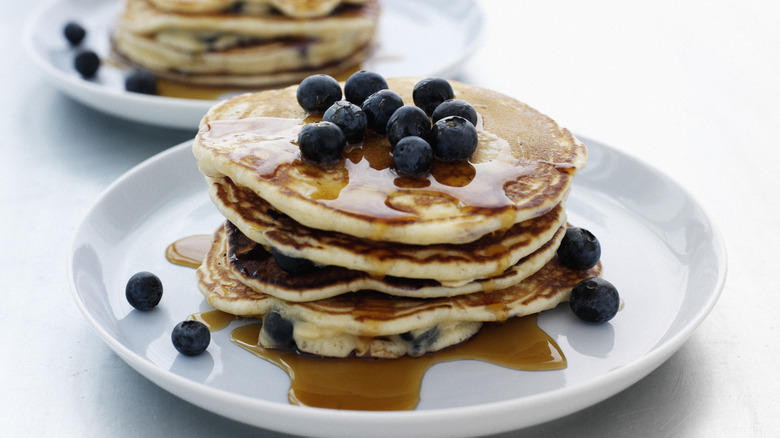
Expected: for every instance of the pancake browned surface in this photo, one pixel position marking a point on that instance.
(452, 264)
(231, 48)
(254, 266)
(523, 168)
(375, 324)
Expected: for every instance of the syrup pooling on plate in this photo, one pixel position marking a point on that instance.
(188, 251)
(394, 384)
(364, 182)
(370, 384)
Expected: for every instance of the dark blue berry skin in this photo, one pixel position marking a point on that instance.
(431, 92)
(579, 249)
(191, 338)
(362, 84)
(317, 93)
(379, 107)
(74, 33)
(279, 330)
(422, 342)
(350, 118)
(594, 300)
(455, 107)
(453, 139)
(143, 82)
(87, 64)
(321, 142)
(291, 265)
(412, 156)
(144, 290)
(406, 121)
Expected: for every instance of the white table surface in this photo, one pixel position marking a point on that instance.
(691, 88)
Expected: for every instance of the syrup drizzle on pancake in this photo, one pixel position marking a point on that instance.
(364, 183)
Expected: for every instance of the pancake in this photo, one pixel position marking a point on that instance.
(450, 264)
(374, 324)
(242, 50)
(141, 17)
(522, 169)
(254, 266)
(290, 8)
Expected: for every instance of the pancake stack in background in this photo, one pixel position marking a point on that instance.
(350, 258)
(248, 43)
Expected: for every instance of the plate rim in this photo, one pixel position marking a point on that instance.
(495, 417)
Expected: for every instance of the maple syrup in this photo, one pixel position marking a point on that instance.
(188, 251)
(394, 384)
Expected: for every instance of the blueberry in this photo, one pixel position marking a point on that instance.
(407, 121)
(190, 337)
(430, 92)
(412, 156)
(321, 142)
(279, 330)
(74, 33)
(579, 249)
(350, 118)
(144, 290)
(317, 93)
(363, 84)
(421, 343)
(594, 300)
(379, 107)
(143, 82)
(87, 63)
(292, 265)
(453, 138)
(455, 107)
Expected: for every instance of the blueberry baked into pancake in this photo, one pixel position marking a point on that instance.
(385, 217)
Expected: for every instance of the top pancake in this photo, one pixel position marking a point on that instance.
(290, 8)
(522, 168)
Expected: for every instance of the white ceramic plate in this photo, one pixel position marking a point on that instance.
(430, 38)
(659, 248)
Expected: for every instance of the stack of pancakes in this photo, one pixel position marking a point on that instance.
(403, 266)
(248, 43)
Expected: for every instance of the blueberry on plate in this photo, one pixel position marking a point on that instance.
(279, 330)
(453, 139)
(431, 92)
(362, 84)
(144, 290)
(321, 142)
(317, 93)
(579, 249)
(74, 33)
(455, 107)
(412, 156)
(409, 120)
(143, 82)
(291, 265)
(87, 63)
(594, 300)
(350, 118)
(190, 337)
(379, 107)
